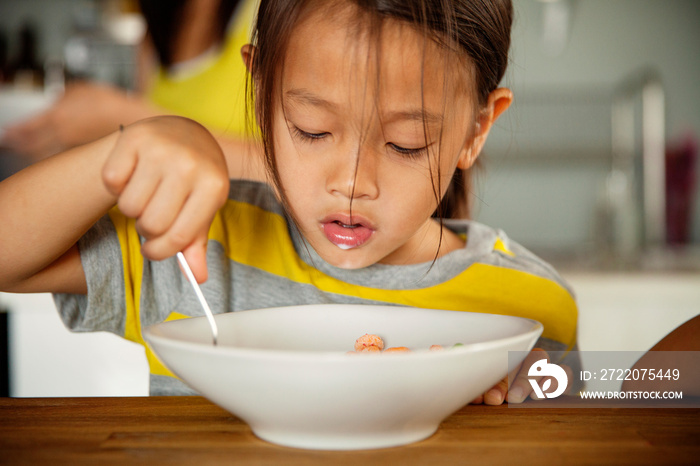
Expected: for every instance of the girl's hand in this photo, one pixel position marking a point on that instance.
(520, 388)
(169, 173)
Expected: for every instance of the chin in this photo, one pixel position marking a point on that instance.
(349, 264)
(348, 260)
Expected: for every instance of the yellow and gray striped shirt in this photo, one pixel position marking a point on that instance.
(257, 260)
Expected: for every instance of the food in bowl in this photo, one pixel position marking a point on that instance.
(286, 373)
(369, 343)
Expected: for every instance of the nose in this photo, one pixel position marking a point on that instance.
(354, 174)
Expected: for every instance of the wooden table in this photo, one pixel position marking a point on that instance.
(191, 430)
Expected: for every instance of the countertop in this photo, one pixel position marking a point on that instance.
(192, 430)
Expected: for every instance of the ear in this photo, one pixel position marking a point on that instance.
(498, 102)
(247, 52)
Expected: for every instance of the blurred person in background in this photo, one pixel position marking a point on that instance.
(188, 64)
(679, 351)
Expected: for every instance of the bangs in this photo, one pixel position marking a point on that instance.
(458, 28)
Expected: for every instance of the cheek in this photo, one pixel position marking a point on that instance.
(413, 191)
(286, 166)
(287, 160)
(436, 178)
(299, 181)
(446, 163)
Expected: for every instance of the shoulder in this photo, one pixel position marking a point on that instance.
(501, 276)
(492, 246)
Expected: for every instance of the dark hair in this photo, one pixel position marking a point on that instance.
(164, 18)
(478, 30)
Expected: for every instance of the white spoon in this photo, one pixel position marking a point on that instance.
(200, 296)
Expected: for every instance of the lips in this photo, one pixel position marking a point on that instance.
(346, 233)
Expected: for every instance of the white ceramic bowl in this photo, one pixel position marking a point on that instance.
(286, 371)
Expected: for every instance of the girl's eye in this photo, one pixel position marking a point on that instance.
(306, 136)
(412, 153)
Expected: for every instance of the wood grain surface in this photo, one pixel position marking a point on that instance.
(192, 430)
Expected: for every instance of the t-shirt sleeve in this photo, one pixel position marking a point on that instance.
(104, 307)
(523, 259)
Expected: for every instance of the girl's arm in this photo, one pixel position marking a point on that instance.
(167, 172)
(44, 209)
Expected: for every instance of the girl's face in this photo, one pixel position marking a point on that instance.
(364, 127)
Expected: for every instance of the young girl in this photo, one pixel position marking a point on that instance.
(369, 113)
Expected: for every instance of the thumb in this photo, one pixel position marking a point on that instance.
(196, 255)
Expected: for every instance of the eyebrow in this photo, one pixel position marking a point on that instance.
(421, 115)
(306, 97)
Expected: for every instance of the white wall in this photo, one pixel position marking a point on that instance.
(46, 360)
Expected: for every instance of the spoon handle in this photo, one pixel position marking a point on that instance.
(200, 296)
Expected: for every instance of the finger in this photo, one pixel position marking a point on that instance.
(138, 192)
(521, 388)
(196, 255)
(119, 167)
(478, 400)
(192, 224)
(162, 209)
(497, 395)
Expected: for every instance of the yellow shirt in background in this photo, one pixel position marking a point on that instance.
(211, 90)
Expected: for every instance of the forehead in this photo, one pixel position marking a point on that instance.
(342, 53)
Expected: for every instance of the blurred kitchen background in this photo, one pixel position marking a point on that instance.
(594, 167)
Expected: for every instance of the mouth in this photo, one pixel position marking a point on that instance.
(346, 233)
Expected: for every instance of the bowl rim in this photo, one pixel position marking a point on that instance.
(151, 336)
